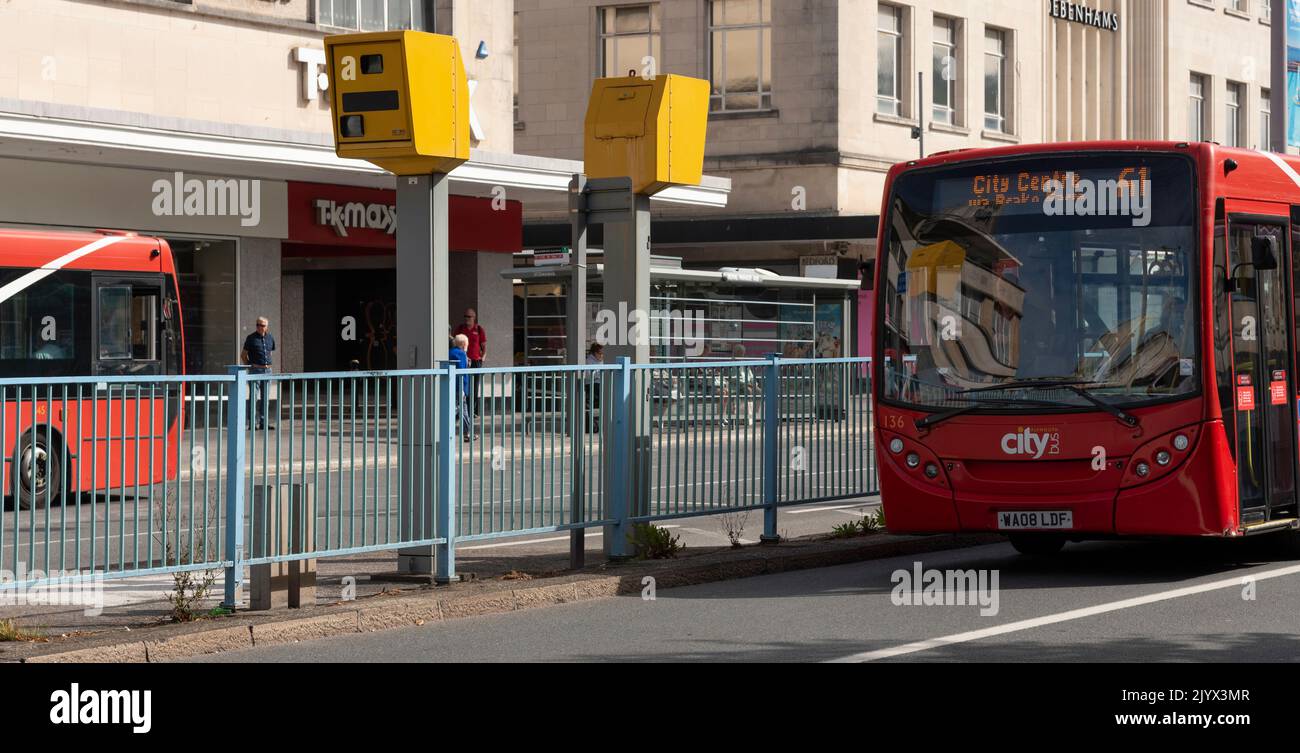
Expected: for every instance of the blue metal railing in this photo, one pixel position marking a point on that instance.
(122, 476)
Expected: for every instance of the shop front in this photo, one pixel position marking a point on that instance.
(220, 231)
(339, 284)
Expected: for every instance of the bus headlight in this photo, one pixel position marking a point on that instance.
(1163, 457)
(1142, 470)
(931, 470)
(1181, 442)
(913, 460)
(895, 445)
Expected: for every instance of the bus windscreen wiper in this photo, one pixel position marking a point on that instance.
(1077, 386)
(938, 418)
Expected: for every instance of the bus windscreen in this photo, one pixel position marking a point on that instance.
(1061, 268)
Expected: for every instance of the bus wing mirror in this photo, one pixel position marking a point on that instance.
(1263, 252)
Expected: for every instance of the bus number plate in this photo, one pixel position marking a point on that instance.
(1034, 520)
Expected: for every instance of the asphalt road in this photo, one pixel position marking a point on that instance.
(1099, 601)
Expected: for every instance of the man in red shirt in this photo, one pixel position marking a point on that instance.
(477, 350)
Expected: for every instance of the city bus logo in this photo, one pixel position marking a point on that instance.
(1129, 196)
(1026, 441)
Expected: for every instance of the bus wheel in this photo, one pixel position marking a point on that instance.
(40, 473)
(1038, 544)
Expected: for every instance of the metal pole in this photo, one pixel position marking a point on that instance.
(422, 301)
(920, 111)
(771, 447)
(577, 338)
(449, 395)
(1279, 99)
(235, 436)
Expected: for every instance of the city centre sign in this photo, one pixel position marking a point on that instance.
(1082, 14)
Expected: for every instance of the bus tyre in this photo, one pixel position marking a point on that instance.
(40, 473)
(1041, 545)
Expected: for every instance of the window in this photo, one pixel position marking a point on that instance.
(740, 51)
(995, 80)
(1232, 120)
(945, 72)
(516, 95)
(628, 34)
(1265, 120)
(44, 326)
(375, 15)
(1196, 108)
(1266, 10)
(128, 323)
(889, 60)
(1241, 5)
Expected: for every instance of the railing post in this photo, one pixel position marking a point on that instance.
(771, 447)
(236, 407)
(618, 488)
(448, 449)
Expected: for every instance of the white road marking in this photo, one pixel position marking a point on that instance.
(1052, 619)
(824, 509)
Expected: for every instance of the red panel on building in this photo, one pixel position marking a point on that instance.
(321, 214)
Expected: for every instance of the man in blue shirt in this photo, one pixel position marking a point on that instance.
(457, 354)
(257, 354)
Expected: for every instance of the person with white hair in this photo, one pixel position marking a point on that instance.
(257, 351)
(457, 354)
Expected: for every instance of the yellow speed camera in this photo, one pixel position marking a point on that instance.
(400, 100)
(651, 130)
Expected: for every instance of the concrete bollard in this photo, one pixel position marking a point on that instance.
(283, 523)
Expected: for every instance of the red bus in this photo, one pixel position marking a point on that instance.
(91, 305)
(1088, 340)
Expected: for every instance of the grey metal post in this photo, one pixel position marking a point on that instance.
(576, 301)
(422, 302)
(618, 476)
(1279, 104)
(920, 111)
(449, 397)
(771, 447)
(627, 295)
(236, 405)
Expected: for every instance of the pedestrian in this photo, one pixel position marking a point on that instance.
(458, 354)
(739, 386)
(476, 351)
(592, 381)
(257, 351)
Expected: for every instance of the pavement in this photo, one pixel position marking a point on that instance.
(139, 602)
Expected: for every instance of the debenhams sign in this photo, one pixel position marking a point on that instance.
(1081, 14)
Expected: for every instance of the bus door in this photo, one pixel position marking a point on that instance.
(123, 425)
(1263, 371)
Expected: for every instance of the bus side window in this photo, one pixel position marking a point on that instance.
(145, 315)
(115, 322)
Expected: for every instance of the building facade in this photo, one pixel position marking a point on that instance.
(814, 100)
(110, 110)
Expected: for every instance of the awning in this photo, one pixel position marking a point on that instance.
(541, 183)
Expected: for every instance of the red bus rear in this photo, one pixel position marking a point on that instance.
(1088, 340)
(86, 305)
